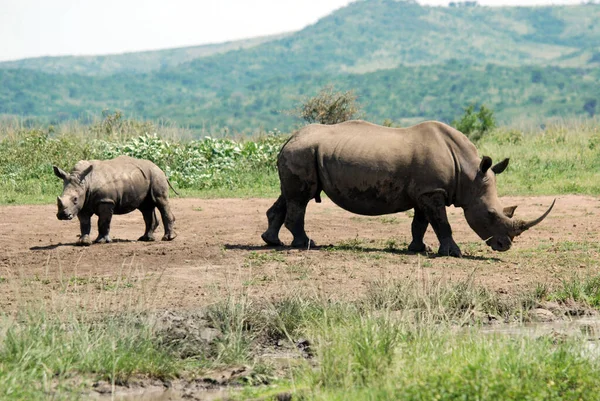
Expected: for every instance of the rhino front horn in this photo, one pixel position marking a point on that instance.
(521, 226)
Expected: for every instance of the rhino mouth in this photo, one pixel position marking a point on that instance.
(64, 216)
(499, 244)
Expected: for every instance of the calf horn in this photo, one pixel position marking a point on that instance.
(520, 226)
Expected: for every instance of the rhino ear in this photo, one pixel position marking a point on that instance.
(85, 172)
(509, 211)
(500, 167)
(59, 173)
(486, 163)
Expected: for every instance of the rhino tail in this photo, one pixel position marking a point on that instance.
(319, 186)
(169, 182)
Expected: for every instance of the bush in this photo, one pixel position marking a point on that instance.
(329, 107)
(475, 125)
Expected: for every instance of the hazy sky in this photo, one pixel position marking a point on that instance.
(31, 28)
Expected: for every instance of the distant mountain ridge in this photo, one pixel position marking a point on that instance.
(426, 62)
(132, 62)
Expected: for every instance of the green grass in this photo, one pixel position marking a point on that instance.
(562, 159)
(207, 167)
(373, 358)
(40, 350)
(404, 339)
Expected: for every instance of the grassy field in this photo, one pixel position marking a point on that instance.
(403, 339)
(563, 158)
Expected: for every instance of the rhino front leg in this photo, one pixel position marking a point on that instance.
(85, 226)
(105, 213)
(434, 208)
(168, 219)
(418, 228)
(276, 217)
(151, 223)
(294, 221)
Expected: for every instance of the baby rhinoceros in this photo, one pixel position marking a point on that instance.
(117, 186)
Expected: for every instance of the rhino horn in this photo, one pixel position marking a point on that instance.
(520, 225)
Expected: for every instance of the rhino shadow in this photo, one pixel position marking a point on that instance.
(334, 248)
(74, 244)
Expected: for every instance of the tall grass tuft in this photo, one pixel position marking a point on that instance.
(39, 350)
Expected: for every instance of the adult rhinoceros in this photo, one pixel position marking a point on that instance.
(373, 170)
(116, 186)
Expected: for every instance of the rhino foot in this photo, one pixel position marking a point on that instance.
(146, 238)
(84, 241)
(103, 240)
(304, 243)
(450, 249)
(419, 247)
(169, 237)
(270, 240)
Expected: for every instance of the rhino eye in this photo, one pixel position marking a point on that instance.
(75, 200)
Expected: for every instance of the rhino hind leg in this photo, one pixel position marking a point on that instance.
(105, 213)
(434, 208)
(151, 223)
(168, 219)
(276, 217)
(418, 228)
(294, 221)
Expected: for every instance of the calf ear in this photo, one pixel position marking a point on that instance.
(59, 173)
(509, 211)
(500, 167)
(85, 172)
(486, 163)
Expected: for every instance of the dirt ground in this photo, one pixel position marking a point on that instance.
(219, 252)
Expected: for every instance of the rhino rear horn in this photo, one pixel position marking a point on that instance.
(521, 226)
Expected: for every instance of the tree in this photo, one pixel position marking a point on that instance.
(329, 107)
(475, 125)
(590, 107)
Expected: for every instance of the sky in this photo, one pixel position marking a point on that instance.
(34, 28)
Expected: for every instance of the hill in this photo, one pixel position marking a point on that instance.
(136, 62)
(405, 61)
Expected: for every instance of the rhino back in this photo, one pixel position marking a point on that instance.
(126, 181)
(370, 169)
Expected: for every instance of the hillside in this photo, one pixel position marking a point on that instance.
(137, 62)
(405, 61)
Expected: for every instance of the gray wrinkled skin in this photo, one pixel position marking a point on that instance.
(117, 186)
(374, 170)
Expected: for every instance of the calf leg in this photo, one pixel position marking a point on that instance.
(105, 213)
(162, 203)
(85, 226)
(151, 221)
(276, 217)
(294, 221)
(434, 207)
(418, 228)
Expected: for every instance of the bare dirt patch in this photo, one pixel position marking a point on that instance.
(219, 252)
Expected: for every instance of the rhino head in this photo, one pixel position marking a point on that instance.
(74, 192)
(484, 214)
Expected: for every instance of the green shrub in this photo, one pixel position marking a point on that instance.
(475, 125)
